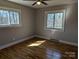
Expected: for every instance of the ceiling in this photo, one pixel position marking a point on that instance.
(50, 3)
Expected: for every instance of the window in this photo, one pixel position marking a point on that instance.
(55, 20)
(9, 17)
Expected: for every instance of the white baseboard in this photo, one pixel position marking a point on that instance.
(70, 43)
(42, 37)
(13, 43)
(62, 41)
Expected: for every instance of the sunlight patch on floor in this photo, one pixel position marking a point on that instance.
(37, 43)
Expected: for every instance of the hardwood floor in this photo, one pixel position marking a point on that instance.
(37, 48)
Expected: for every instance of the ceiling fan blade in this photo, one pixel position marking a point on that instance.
(44, 3)
(34, 3)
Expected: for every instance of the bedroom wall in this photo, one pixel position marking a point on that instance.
(33, 23)
(71, 22)
(27, 29)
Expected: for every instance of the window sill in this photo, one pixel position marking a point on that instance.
(10, 25)
(54, 29)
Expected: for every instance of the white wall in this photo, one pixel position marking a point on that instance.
(70, 32)
(27, 29)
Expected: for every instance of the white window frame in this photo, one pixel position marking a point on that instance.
(54, 11)
(12, 25)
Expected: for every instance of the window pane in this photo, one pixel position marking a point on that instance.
(12, 17)
(4, 16)
(9, 17)
(58, 20)
(50, 20)
(17, 17)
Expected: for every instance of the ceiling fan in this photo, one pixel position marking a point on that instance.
(38, 2)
